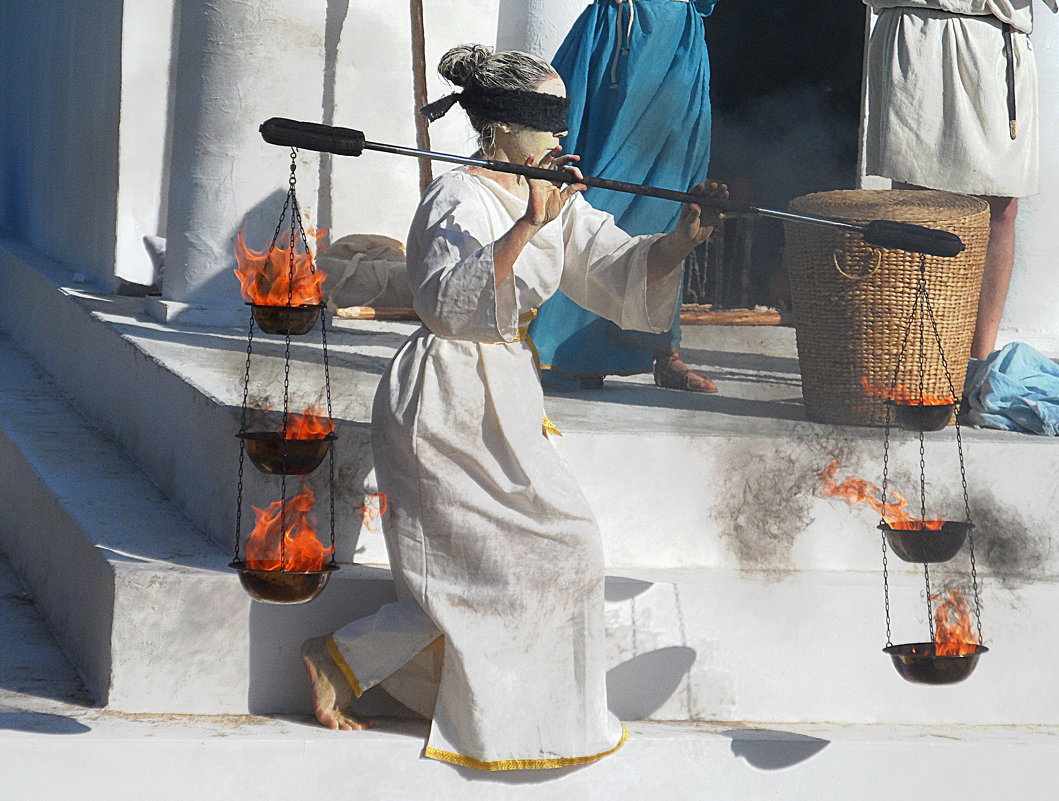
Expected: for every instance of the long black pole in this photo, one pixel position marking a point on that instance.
(351, 142)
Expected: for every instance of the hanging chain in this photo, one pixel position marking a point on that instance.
(242, 441)
(921, 305)
(958, 400)
(930, 602)
(296, 228)
(291, 183)
(882, 533)
(292, 201)
(886, 589)
(886, 467)
(331, 420)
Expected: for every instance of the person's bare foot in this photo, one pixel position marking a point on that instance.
(332, 694)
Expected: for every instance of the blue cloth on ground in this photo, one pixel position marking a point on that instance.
(650, 126)
(1015, 388)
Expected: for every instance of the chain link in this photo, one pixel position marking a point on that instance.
(331, 420)
(242, 442)
(930, 603)
(958, 400)
(296, 229)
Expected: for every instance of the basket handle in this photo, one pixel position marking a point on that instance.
(875, 267)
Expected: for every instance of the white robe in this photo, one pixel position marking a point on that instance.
(491, 541)
(937, 96)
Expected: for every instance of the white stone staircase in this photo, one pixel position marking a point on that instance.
(734, 595)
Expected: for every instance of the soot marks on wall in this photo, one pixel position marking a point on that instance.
(767, 497)
(1010, 550)
(1007, 547)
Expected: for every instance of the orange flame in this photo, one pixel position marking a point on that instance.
(373, 508)
(859, 490)
(301, 550)
(265, 277)
(310, 424)
(953, 628)
(903, 395)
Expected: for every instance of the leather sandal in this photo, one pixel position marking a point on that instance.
(672, 373)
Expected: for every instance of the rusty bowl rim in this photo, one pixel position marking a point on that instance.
(903, 652)
(931, 668)
(240, 565)
(268, 436)
(947, 527)
(292, 307)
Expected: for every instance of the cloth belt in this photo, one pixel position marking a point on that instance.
(523, 335)
(624, 38)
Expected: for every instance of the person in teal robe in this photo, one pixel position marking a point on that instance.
(639, 80)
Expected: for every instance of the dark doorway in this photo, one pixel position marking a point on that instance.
(786, 92)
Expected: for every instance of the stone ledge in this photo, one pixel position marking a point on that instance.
(178, 758)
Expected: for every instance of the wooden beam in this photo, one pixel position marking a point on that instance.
(689, 315)
(419, 89)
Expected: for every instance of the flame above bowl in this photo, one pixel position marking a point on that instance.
(285, 562)
(283, 286)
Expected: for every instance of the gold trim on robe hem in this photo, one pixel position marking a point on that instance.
(521, 764)
(340, 660)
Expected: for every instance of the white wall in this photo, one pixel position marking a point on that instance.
(237, 65)
(59, 129)
(377, 193)
(146, 40)
(1032, 310)
(536, 26)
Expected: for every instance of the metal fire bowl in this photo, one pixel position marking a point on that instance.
(272, 454)
(283, 586)
(293, 320)
(921, 417)
(927, 545)
(917, 662)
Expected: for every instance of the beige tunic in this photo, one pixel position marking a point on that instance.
(491, 540)
(937, 96)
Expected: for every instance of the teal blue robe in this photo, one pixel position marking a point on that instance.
(642, 117)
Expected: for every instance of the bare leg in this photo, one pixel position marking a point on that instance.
(999, 261)
(332, 694)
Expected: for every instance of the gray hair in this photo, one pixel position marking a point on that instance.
(477, 65)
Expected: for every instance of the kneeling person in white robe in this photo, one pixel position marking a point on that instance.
(497, 633)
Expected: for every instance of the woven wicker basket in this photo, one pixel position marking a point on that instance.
(852, 303)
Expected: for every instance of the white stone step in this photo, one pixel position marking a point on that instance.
(119, 759)
(690, 481)
(766, 613)
(166, 627)
(54, 745)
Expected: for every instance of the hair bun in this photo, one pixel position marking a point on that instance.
(462, 63)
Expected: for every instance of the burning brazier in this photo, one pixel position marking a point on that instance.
(283, 559)
(951, 653)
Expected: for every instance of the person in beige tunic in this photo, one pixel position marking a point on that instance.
(952, 105)
(497, 633)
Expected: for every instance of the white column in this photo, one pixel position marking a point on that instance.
(143, 127)
(238, 63)
(536, 26)
(1032, 311)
